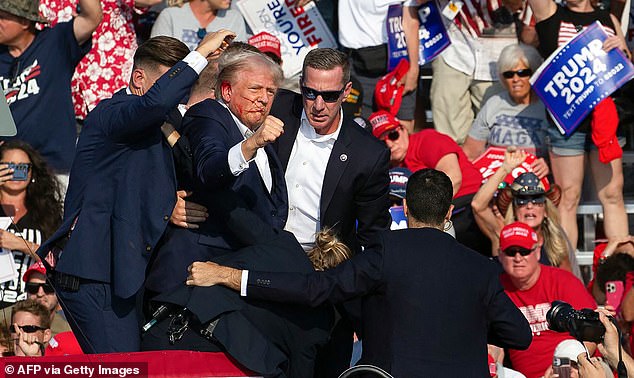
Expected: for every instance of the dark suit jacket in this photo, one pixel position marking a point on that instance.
(211, 132)
(431, 308)
(122, 186)
(268, 338)
(356, 182)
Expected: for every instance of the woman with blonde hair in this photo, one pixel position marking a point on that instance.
(526, 201)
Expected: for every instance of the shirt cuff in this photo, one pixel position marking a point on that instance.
(243, 283)
(196, 61)
(237, 162)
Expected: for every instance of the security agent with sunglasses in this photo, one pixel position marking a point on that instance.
(533, 287)
(336, 172)
(424, 294)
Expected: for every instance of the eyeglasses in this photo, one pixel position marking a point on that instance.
(512, 251)
(392, 135)
(33, 288)
(524, 200)
(201, 33)
(525, 72)
(26, 328)
(328, 96)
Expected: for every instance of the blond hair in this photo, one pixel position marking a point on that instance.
(555, 240)
(328, 251)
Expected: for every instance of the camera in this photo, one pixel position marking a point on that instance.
(583, 325)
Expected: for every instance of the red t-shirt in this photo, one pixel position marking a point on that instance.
(553, 284)
(428, 146)
(62, 344)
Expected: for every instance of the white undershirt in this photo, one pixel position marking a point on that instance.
(237, 161)
(304, 179)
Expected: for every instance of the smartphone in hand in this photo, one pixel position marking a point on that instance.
(614, 292)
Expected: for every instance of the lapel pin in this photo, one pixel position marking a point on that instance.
(343, 157)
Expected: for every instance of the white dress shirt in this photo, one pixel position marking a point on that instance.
(237, 161)
(305, 178)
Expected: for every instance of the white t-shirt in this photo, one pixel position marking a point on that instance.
(180, 23)
(362, 22)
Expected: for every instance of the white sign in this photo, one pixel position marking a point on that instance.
(299, 29)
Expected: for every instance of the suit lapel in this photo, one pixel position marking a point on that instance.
(337, 164)
(285, 143)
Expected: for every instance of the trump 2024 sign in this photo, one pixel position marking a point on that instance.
(578, 75)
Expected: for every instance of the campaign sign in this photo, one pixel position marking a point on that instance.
(491, 160)
(396, 47)
(299, 29)
(578, 75)
(399, 221)
(432, 34)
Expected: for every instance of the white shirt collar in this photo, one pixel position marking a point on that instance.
(309, 132)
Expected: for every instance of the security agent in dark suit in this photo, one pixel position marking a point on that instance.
(120, 196)
(230, 140)
(432, 305)
(268, 338)
(336, 173)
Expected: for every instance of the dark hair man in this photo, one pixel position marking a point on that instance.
(121, 194)
(36, 68)
(424, 292)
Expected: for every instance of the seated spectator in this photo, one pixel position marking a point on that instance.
(527, 202)
(35, 208)
(191, 22)
(431, 149)
(515, 116)
(35, 73)
(43, 293)
(31, 333)
(533, 287)
(107, 66)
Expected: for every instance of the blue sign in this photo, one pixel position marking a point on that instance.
(399, 221)
(396, 47)
(576, 77)
(432, 34)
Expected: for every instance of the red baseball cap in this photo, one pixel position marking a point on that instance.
(517, 234)
(37, 267)
(387, 93)
(382, 123)
(266, 42)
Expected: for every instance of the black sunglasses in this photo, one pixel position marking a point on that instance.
(392, 135)
(512, 251)
(525, 72)
(328, 96)
(26, 328)
(524, 200)
(33, 288)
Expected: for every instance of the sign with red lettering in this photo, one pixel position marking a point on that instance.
(491, 160)
(299, 29)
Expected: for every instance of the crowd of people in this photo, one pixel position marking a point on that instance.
(178, 191)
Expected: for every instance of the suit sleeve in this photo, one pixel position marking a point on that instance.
(126, 120)
(357, 276)
(507, 326)
(372, 201)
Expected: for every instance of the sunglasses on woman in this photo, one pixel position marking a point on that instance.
(524, 200)
(328, 96)
(26, 328)
(512, 251)
(33, 288)
(524, 72)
